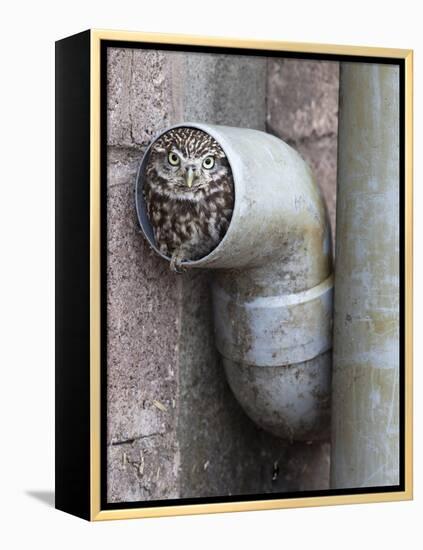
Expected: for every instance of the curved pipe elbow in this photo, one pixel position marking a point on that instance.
(272, 286)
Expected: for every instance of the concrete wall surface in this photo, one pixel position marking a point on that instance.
(174, 428)
(303, 111)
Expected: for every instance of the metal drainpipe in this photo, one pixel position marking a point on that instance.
(365, 402)
(272, 285)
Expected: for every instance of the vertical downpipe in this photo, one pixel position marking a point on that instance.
(365, 398)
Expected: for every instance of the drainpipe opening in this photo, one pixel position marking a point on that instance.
(143, 218)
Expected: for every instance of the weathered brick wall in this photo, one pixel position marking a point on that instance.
(174, 428)
(303, 111)
(143, 322)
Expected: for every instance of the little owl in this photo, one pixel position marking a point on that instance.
(189, 193)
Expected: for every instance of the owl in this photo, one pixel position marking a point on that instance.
(189, 194)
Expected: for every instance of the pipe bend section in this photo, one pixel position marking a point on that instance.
(276, 353)
(290, 401)
(272, 284)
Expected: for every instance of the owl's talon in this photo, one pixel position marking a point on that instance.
(176, 265)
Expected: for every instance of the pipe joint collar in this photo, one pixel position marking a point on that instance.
(274, 330)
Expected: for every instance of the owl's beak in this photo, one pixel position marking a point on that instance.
(189, 177)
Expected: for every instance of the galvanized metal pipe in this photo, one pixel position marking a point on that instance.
(365, 409)
(272, 288)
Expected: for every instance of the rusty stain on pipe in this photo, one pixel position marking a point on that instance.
(272, 285)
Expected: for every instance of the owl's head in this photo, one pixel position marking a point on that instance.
(184, 162)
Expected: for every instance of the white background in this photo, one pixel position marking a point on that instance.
(29, 30)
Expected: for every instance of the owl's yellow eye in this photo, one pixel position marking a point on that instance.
(208, 163)
(173, 159)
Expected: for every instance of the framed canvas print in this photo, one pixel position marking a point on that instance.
(233, 275)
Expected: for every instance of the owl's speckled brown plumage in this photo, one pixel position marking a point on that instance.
(189, 203)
